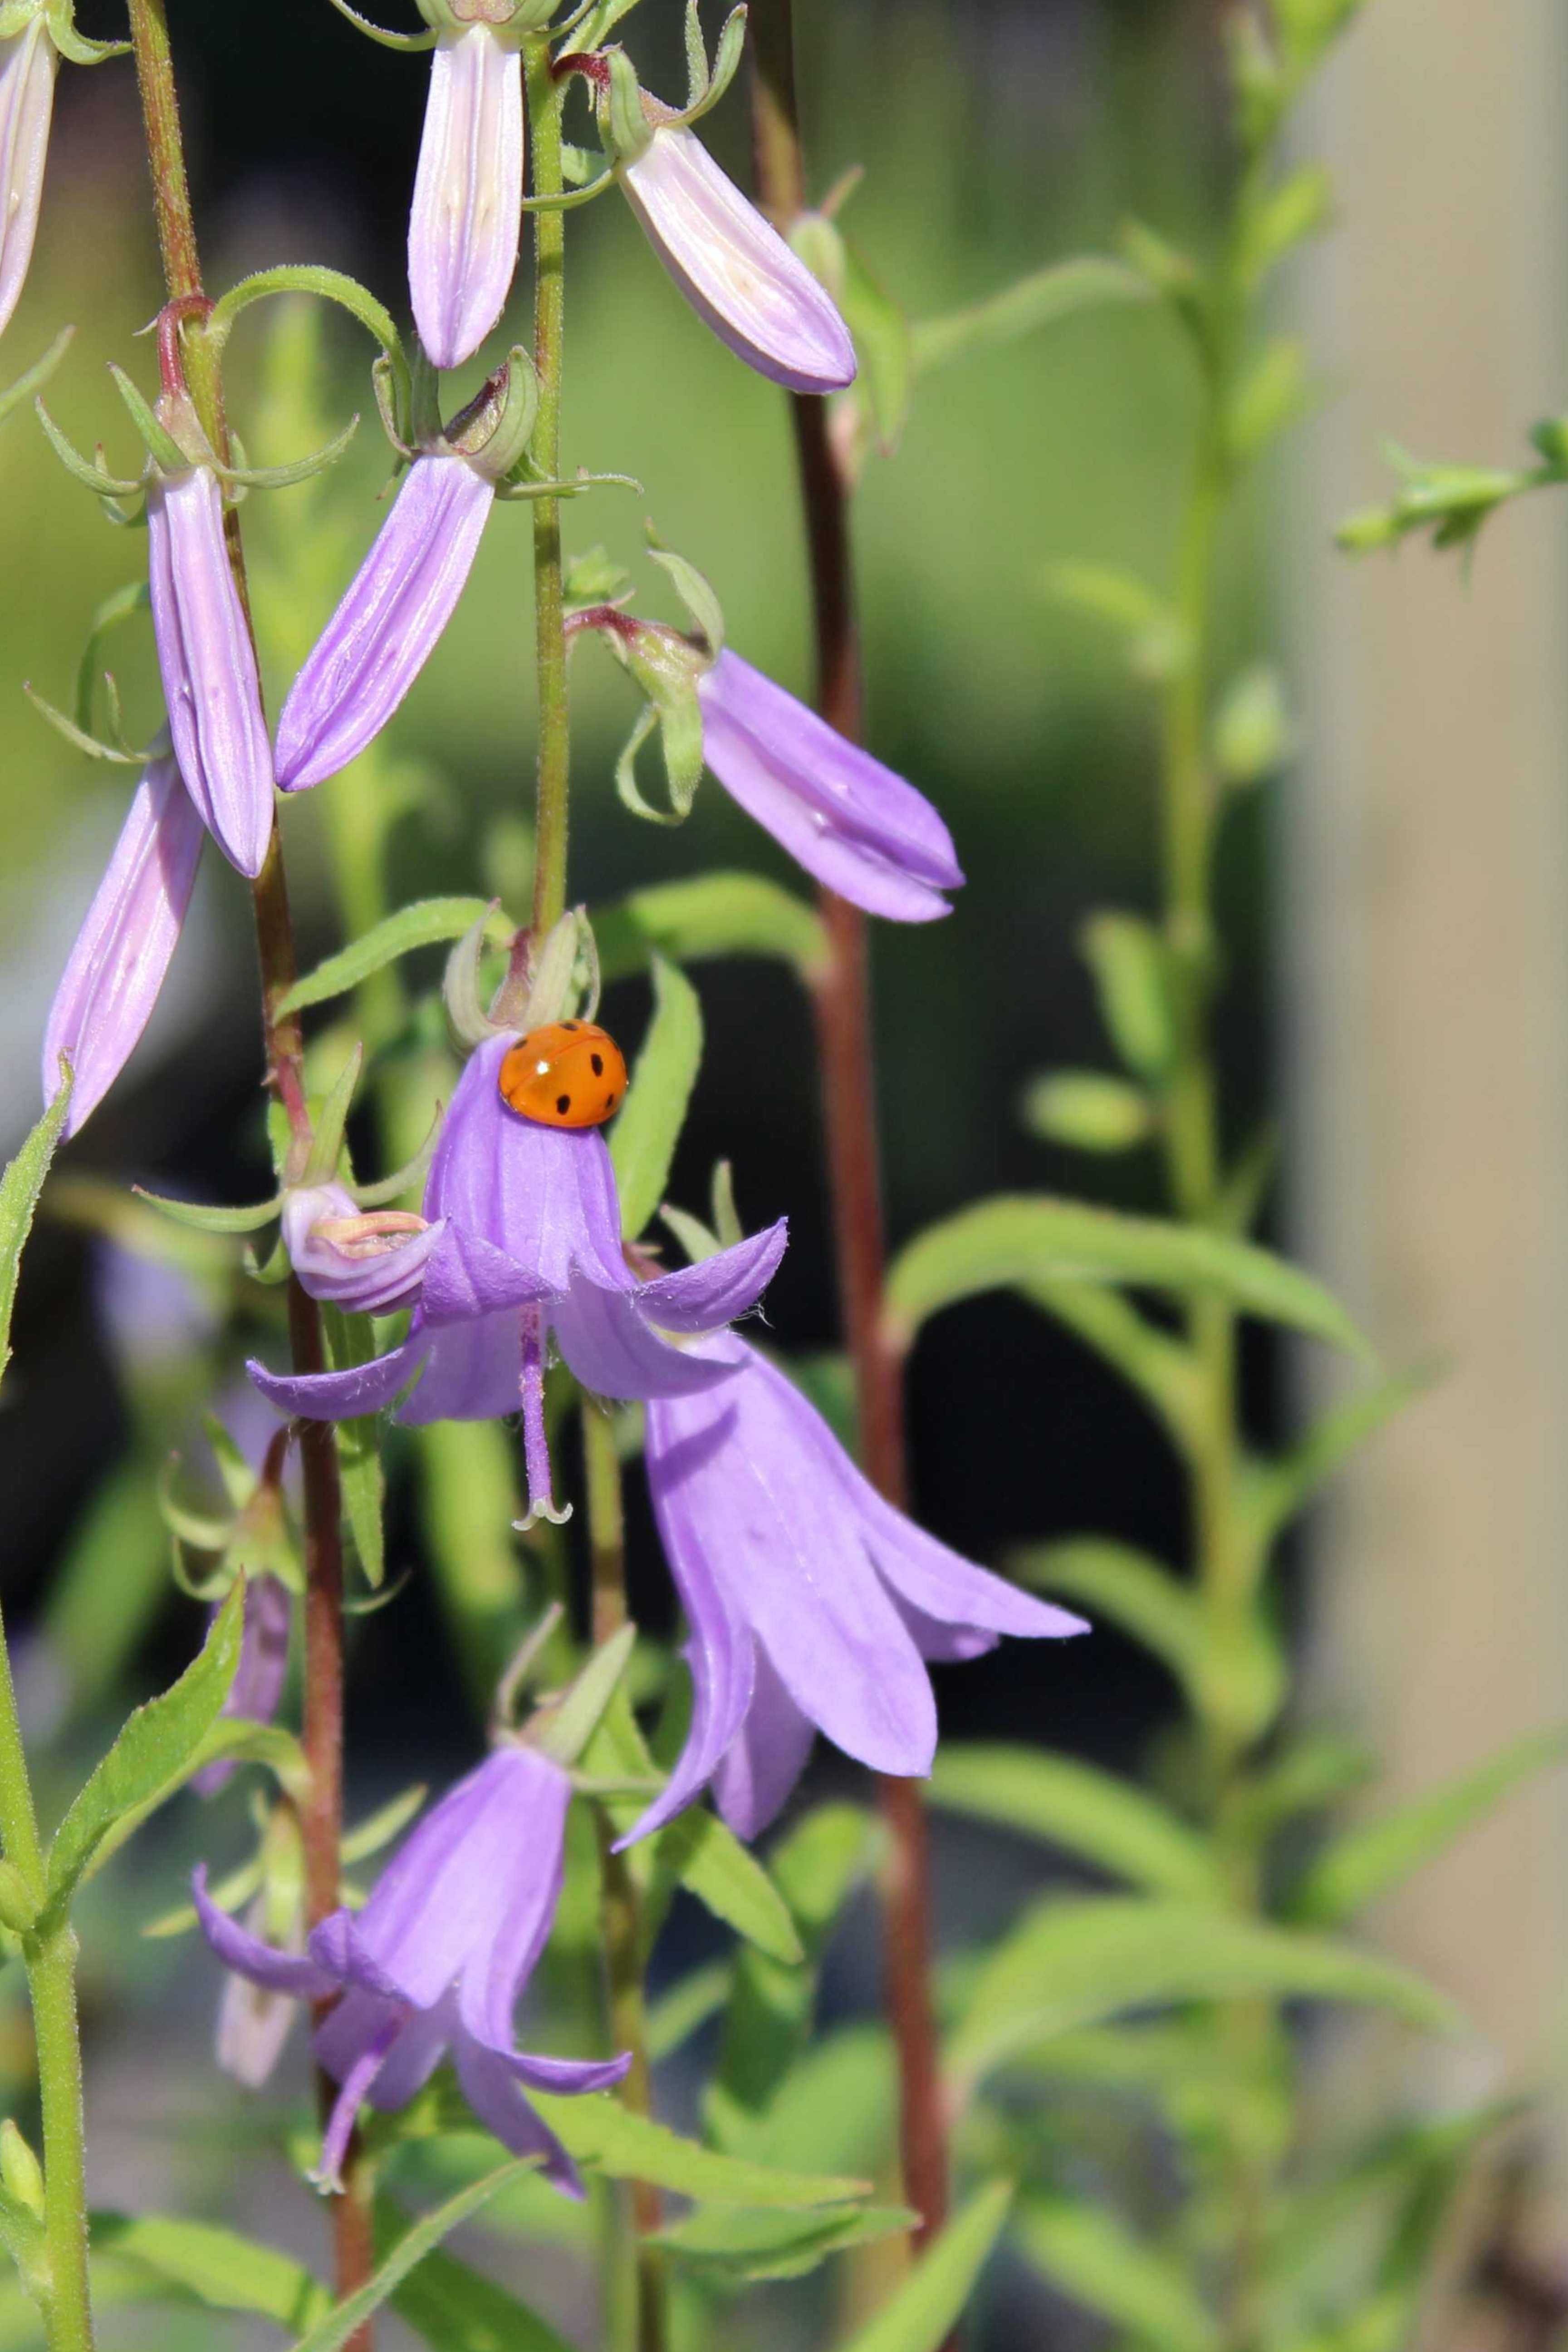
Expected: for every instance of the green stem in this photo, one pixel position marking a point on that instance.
(50, 1962)
(545, 101)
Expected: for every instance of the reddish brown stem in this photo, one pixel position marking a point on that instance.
(322, 1814)
(847, 1062)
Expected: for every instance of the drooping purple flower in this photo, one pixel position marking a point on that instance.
(437, 1960)
(259, 1677)
(122, 951)
(466, 223)
(734, 267)
(532, 1244)
(29, 64)
(208, 665)
(253, 2023)
(811, 1603)
(386, 627)
(848, 820)
(367, 1265)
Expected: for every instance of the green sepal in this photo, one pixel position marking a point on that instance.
(379, 33)
(327, 1141)
(36, 376)
(563, 1729)
(95, 478)
(522, 484)
(330, 286)
(76, 48)
(120, 755)
(494, 431)
(693, 589)
(566, 200)
(162, 446)
(284, 478)
(622, 113)
(409, 1178)
(212, 1220)
(123, 604)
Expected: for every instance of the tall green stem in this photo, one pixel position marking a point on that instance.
(50, 1961)
(545, 101)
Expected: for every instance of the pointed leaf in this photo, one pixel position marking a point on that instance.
(330, 2333)
(214, 2266)
(1109, 1823)
(600, 2133)
(350, 1340)
(19, 1190)
(456, 2309)
(1038, 301)
(1137, 1593)
(429, 922)
(730, 2243)
(643, 1141)
(712, 915)
(1091, 2253)
(935, 2292)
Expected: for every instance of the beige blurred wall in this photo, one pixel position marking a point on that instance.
(1426, 860)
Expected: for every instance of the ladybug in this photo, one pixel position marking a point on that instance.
(568, 1074)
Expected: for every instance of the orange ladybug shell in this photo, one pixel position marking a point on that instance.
(568, 1074)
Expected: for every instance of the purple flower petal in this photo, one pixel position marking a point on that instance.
(734, 269)
(755, 1775)
(702, 1297)
(473, 1371)
(388, 623)
(466, 219)
(122, 951)
(248, 1956)
(208, 664)
(566, 2077)
(489, 2087)
(604, 1338)
(365, 1265)
(29, 64)
(356, 2087)
(467, 1276)
(252, 2024)
(536, 1794)
(258, 1679)
(845, 817)
(346, 1395)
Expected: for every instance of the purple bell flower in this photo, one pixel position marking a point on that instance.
(367, 1264)
(854, 824)
(734, 267)
(263, 1667)
(436, 1961)
(29, 64)
(466, 219)
(386, 627)
(811, 1603)
(210, 684)
(532, 1244)
(122, 951)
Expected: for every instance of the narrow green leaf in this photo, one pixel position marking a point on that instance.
(157, 1748)
(429, 922)
(733, 2244)
(642, 1144)
(454, 2308)
(330, 2333)
(883, 346)
(1312, 1772)
(712, 915)
(1126, 958)
(1072, 1963)
(1091, 2253)
(214, 2266)
(1162, 1369)
(1362, 1865)
(1088, 1111)
(1109, 1823)
(19, 1190)
(351, 1339)
(836, 2106)
(1015, 1240)
(209, 1219)
(599, 2132)
(675, 2016)
(1290, 1482)
(1158, 643)
(937, 2290)
(1039, 301)
(1137, 1593)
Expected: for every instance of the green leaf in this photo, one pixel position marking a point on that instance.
(736, 2245)
(1162, 1369)
(1039, 301)
(676, 2015)
(883, 345)
(1286, 1485)
(429, 922)
(1088, 1111)
(1146, 1600)
(643, 1142)
(1291, 213)
(1108, 1821)
(1158, 642)
(214, 2266)
(350, 1340)
(1072, 1963)
(918, 2316)
(19, 1190)
(1363, 1864)
(1312, 1772)
(157, 1749)
(330, 2333)
(1092, 2254)
(1126, 958)
(597, 2131)
(712, 915)
(1253, 730)
(1018, 1240)
(1275, 393)
(454, 2308)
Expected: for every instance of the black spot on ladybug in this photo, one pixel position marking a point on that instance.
(596, 1062)
(570, 1024)
(563, 1103)
(609, 1102)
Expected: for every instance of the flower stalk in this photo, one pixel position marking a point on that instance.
(847, 1069)
(322, 1814)
(546, 99)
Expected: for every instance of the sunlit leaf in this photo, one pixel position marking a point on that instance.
(1092, 2254)
(644, 1138)
(918, 2315)
(1108, 1821)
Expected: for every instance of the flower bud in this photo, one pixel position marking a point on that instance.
(466, 218)
(20, 2171)
(385, 629)
(112, 976)
(208, 664)
(366, 1263)
(29, 63)
(18, 1911)
(734, 269)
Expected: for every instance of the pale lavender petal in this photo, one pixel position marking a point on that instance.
(252, 2024)
(490, 2090)
(543, 1195)
(700, 1297)
(566, 2077)
(414, 2056)
(734, 269)
(768, 1755)
(356, 2024)
(29, 63)
(466, 219)
(208, 664)
(367, 1266)
(258, 1679)
(942, 1587)
(122, 951)
(346, 1395)
(473, 1371)
(850, 821)
(468, 1276)
(356, 2088)
(605, 1340)
(536, 1794)
(248, 1956)
(389, 622)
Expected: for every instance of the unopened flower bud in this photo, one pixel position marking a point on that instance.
(20, 2170)
(467, 217)
(29, 63)
(17, 1909)
(122, 951)
(368, 1264)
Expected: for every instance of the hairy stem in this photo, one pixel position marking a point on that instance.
(321, 1815)
(847, 1064)
(546, 98)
